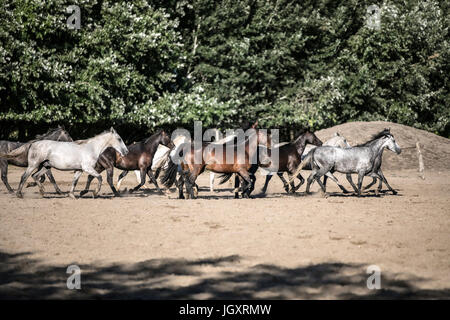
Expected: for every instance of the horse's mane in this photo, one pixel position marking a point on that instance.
(49, 132)
(87, 140)
(381, 134)
(144, 141)
(300, 133)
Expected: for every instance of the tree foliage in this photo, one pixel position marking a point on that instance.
(142, 64)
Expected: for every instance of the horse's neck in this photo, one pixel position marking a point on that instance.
(179, 140)
(152, 144)
(377, 148)
(99, 143)
(299, 144)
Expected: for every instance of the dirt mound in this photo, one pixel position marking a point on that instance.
(435, 149)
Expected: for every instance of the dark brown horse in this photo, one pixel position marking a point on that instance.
(139, 157)
(20, 151)
(290, 156)
(242, 157)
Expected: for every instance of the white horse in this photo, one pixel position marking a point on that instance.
(81, 155)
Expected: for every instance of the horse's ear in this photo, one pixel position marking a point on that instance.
(336, 134)
(111, 130)
(255, 124)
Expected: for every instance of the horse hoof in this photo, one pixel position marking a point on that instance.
(72, 196)
(82, 193)
(117, 194)
(394, 192)
(19, 195)
(31, 184)
(41, 191)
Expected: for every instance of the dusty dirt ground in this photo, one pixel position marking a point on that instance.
(149, 246)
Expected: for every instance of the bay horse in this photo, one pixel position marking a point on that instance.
(365, 160)
(336, 140)
(80, 155)
(289, 157)
(19, 154)
(139, 157)
(240, 163)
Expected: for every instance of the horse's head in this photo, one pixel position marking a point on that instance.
(263, 137)
(390, 142)
(311, 138)
(116, 142)
(165, 140)
(337, 141)
(63, 135)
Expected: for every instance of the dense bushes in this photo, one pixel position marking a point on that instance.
(140, 64)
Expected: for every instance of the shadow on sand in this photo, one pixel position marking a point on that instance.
(22, 277)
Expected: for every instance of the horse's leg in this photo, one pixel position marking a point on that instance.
(249, 183)
(153, 179)
(285, 183)
(309, 181)
(88, 184)
(211, 181)
(266, 183)
(360, 180)
(122, 176)
(142, 171)
(23, 179)
(76, 176)
(315, 176)
(110, 180)
(37, 175)
(98, 169)
(94, 173)
(332, 177)
(157, 172)
(349, 179)
(253, 178)
(237, 184)
(4, 169)
(383, 179)
(49, 174)
(302, 181)
(180, 185)
(191, 177)
(372, 183)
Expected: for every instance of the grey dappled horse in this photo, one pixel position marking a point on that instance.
(363, 159)
(20, 152)
(81, 155)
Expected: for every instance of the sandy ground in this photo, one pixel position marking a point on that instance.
(151, 246)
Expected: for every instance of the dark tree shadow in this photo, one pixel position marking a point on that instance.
(22, 277)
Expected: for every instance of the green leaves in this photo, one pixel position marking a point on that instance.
(287, 63)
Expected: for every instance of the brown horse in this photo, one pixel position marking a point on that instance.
(290, 156)
(139, 157)
(241, 162)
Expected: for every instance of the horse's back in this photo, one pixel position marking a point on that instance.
(345, 160)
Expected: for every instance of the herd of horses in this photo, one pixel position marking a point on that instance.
(156, 154)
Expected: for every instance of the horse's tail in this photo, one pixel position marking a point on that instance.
(225, 177)
(170, 175)
(16, 152)
(304, 163)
